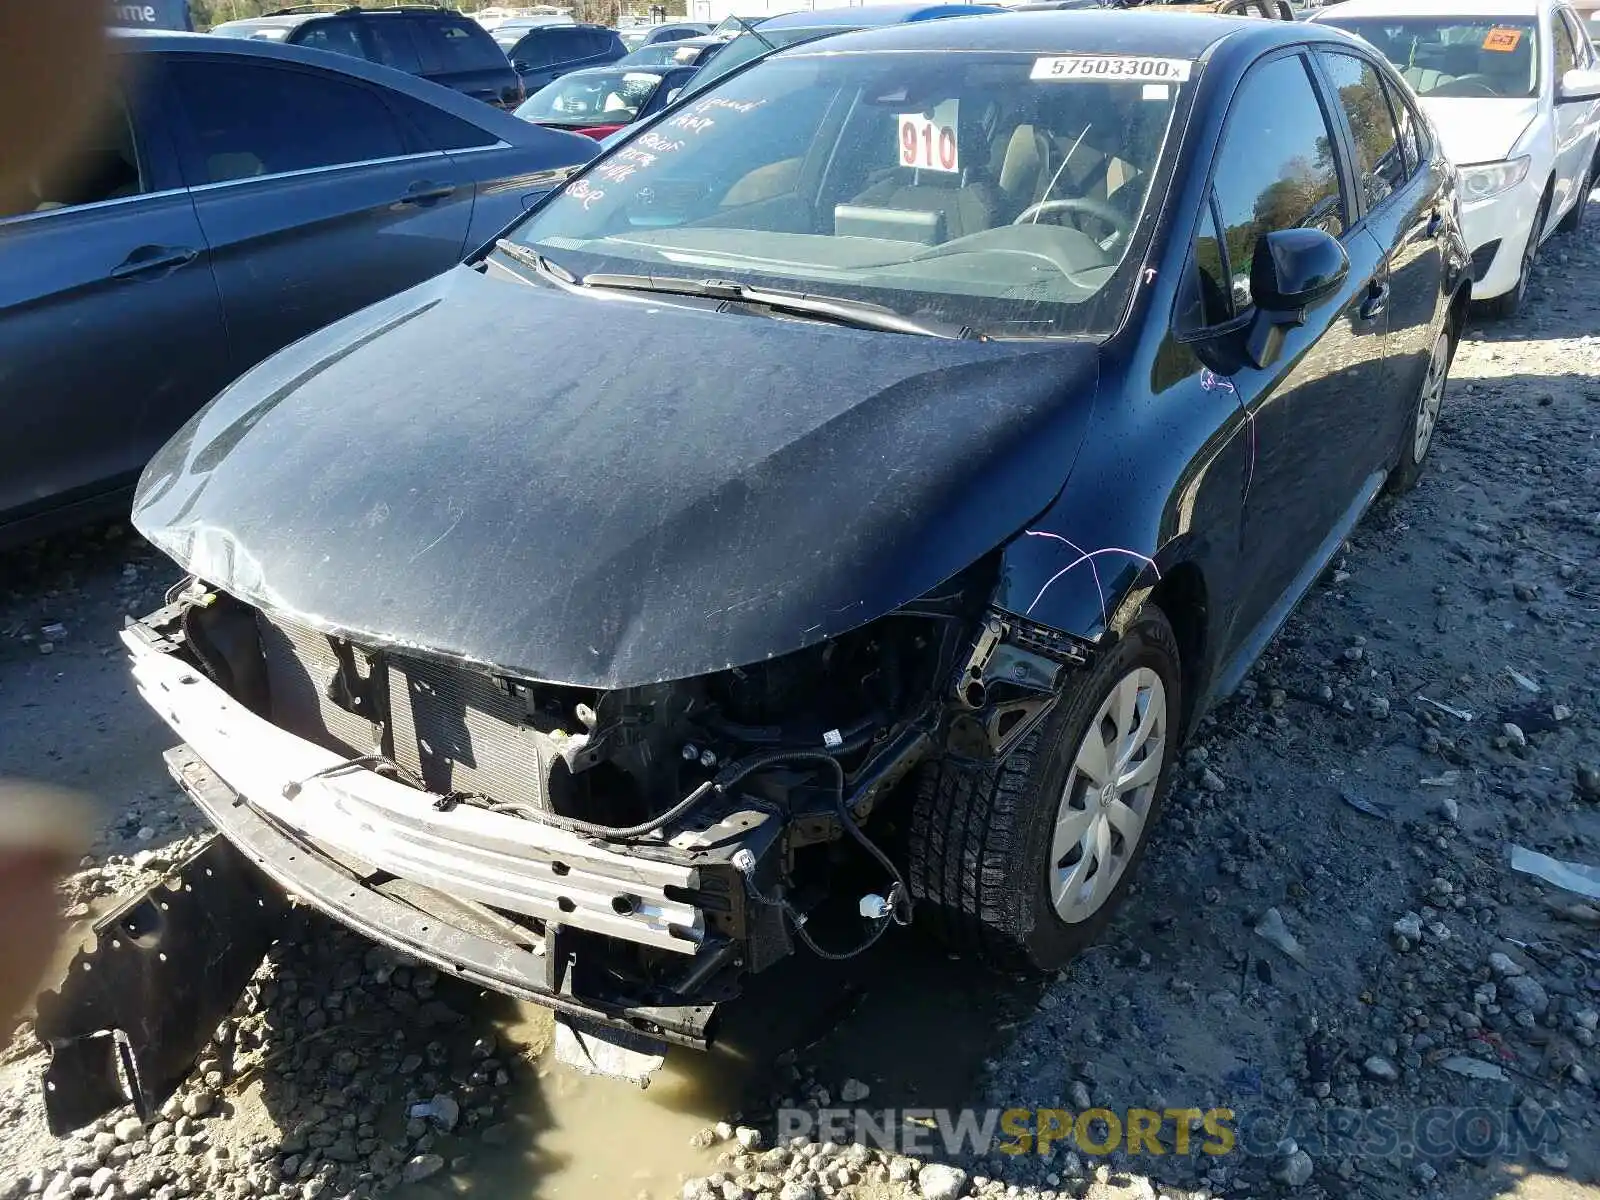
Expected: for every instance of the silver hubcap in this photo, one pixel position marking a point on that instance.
(1432, 398)
(1107, 798)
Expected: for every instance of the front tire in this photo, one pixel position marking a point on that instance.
(1508, 304)
(1425, 414)
(1023, 863)
(1573, 221)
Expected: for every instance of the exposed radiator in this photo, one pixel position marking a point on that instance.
(455, 728)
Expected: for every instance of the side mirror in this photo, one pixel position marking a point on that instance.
(1292, 270)
(1578, 84)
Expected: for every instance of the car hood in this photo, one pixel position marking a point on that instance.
(609, 491)
(1478, 131)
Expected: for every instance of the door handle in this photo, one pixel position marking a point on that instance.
(427, 193)
(1377, 300)
(147, 260)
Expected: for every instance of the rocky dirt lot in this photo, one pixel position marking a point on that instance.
(1328, 938)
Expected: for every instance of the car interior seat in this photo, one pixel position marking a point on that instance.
(233, 164)
(965, 201)
(1021, 165)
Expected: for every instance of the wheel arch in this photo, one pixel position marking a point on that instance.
(1183, 596)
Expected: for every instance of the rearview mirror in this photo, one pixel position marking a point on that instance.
(1578, 84)
(1292, 270)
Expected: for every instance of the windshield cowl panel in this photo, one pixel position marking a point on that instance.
(1001, 191)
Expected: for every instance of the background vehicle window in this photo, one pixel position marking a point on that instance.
(1486, 58)
(455, 45)
(1579, 36)
(1410, 128)
(568, 44)
(104, 165)
(336, 37)
(1380, 166)
(249, 120)
(439, 129)
(392, 41)
(1276, 168)
(1566, 49)
(535, 50)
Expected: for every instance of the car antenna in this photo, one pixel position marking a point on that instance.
(746, 24)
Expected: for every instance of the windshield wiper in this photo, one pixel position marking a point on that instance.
(532, 258)
(832, 308)
(749, 27)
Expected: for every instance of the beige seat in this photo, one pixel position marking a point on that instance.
(1021, 166)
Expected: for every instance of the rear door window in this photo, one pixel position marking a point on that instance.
(448, 44)
(534, 50)
(1380, 163)
(246, 120)
(440, 130)
(393, 46)
(568, 44)
(336, 37)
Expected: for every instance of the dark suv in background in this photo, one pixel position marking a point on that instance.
(545, 53)
(436, 43)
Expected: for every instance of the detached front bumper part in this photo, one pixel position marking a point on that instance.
(166, 966)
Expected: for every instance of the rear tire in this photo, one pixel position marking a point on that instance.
(1507, 305)
(1425, 413)
(1024, 863)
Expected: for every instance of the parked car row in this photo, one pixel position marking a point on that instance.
(964, 405)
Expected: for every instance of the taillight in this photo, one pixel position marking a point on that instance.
(598, 131)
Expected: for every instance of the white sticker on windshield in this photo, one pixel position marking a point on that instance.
(1107, 67)
(1156, 91)
(928, 144)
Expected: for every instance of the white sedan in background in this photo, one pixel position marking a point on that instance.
(1513, 87)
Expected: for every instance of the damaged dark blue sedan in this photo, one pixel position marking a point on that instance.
(950, 431)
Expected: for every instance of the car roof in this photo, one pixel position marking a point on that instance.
(1096, 31)
(616, 69)
(704, 39)
(866, 16)
(150, 41)
(295, 20)
(1433, 8)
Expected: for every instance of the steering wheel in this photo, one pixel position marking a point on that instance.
(1098, 209)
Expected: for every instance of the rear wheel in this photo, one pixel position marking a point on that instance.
(1425, 413)
(1507, 305)
(1025, 862)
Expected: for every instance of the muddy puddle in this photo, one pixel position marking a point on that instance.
(910, 1022)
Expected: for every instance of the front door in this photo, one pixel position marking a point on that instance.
(1314, 445)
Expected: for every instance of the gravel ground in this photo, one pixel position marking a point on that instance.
(1326, 926)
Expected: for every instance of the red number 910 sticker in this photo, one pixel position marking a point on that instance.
(928, 145)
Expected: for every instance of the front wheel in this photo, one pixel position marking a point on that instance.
(1024, 863)
(1573, 221)
(1424, 414)
(1508, 303)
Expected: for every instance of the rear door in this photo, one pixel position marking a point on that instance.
(314, 197)
(111, 334)
(1402, 206)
